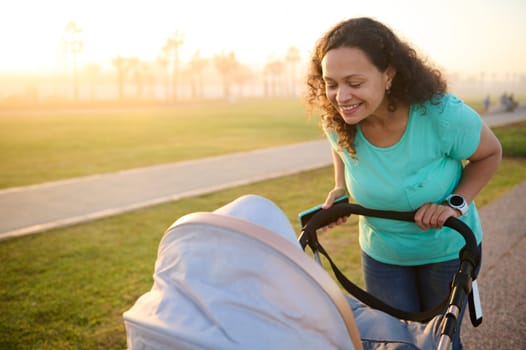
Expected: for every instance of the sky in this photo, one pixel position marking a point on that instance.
(459, 36)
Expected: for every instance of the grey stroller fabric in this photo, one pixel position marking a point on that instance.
(379, 330)
(238, 279)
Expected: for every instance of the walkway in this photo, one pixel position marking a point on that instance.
(32, 209)
(502, 279)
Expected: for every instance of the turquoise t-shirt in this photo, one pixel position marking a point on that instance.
(424, 166)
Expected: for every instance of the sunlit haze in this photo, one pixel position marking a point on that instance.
(470, 36)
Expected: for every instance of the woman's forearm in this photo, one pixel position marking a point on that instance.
(339, 170)
(482, 165)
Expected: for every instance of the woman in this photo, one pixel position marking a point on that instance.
(399, 142)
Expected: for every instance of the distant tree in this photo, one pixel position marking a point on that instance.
(137, 72)
(196, 66)
(92, 72)
(162, 62)
(292, 58)
(242, 76)
(148, 72)
(170, 57)
(122, 66)
(73, 44)
(274, 72)
(226, 65)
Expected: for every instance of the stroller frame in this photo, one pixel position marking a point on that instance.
(463, 285)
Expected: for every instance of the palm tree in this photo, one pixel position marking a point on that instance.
(241, 77)
(292, 58)
(226, 65)
(73, 44)
(148, 73)
(92, 71)
(163, 63)
(197, 65)
(273, 76)
(137, 72)
(170, 56)
(121, 64)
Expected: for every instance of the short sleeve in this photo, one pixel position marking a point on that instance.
(332, 137)
(460, 127)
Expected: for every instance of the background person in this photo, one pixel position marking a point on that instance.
(398, 143)
(487, 103)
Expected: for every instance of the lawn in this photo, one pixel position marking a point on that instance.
(67, 288)
(54, 145)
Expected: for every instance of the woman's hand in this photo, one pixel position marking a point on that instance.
(432, 215)
(331, 197)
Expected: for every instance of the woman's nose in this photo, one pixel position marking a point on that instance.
(343, 94)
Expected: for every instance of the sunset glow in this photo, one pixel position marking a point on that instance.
(466, 35)
(478, 42)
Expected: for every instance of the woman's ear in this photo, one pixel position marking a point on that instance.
(390, 73)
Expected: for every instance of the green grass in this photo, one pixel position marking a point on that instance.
(513, 139)
(54, 145)
(67, 288)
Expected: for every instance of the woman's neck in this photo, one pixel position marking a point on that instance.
(385, 128)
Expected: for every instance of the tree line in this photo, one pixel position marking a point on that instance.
(278, 76)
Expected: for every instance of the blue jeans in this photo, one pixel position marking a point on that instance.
(411, 288)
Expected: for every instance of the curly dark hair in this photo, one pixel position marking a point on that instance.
(415, 82)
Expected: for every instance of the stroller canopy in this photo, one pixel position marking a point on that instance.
(237, 279)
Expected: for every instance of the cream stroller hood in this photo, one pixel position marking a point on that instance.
(237, 279)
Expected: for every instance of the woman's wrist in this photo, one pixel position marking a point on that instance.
(339, 191)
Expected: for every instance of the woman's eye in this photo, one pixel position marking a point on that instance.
(355, 85)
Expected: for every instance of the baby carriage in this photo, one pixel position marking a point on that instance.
(237, 278)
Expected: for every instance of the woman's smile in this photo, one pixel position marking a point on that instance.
(350, 109)
(349, 112)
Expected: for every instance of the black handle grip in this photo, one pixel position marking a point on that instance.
(325, 217)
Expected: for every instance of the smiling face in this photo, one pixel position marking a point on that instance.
(355, 87)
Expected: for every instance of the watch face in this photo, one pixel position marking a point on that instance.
(456, 200)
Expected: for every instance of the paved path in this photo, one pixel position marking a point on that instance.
(37, 208)
(31, 209)
(502, 279)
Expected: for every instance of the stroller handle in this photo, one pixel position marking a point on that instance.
(324, 217)
(461, 285)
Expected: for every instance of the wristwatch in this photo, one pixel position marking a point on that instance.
(457, 202)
